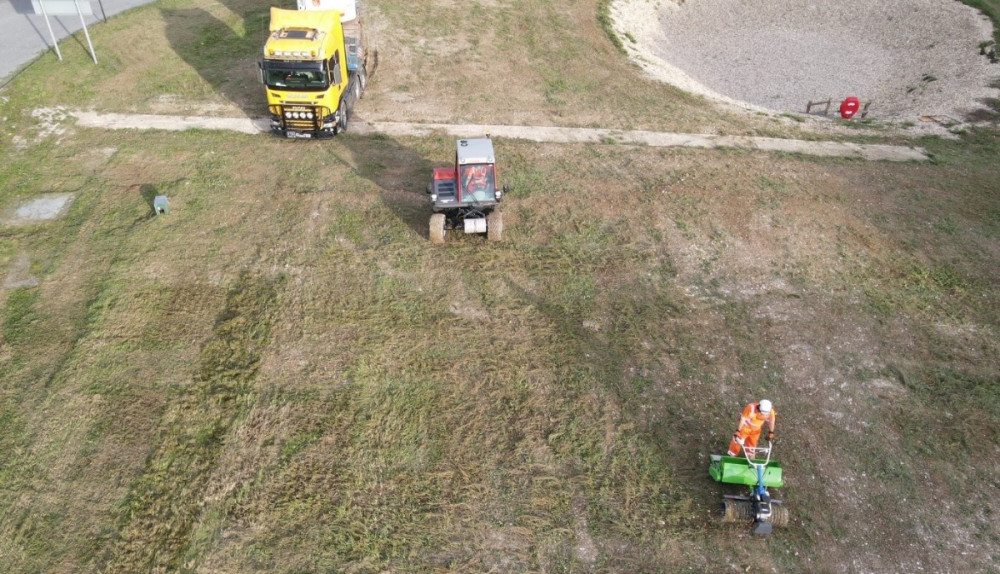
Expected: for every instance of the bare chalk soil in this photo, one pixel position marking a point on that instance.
(911, 59)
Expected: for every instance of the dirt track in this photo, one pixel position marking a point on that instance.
(531, 133)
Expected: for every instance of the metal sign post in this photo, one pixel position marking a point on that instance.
(85, 31)
(49, 26)
(63, 8)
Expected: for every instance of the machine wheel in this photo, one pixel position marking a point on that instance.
(362, 81)
(494, 226)
(779, 515)
(737, 511)
(742, 511)
(437, 229)
(342, 114)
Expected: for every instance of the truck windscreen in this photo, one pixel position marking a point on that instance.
(295, 76)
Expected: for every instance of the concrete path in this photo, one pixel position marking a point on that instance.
(25, 37)
(871, 152)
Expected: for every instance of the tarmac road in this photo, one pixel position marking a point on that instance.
(24, 35)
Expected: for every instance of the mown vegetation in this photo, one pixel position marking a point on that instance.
(283, 375)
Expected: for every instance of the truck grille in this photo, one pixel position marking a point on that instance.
(304, 118)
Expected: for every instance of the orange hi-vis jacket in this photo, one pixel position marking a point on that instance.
(751, 422)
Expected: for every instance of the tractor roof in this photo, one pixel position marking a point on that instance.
(475, 151)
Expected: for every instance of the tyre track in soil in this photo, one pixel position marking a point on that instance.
(541, 134)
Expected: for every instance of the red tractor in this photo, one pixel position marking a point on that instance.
(467, 197)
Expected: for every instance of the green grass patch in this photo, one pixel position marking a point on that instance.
(20, 313)
(607, 24)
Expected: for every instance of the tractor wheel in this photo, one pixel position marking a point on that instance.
(437, 229)
(342, 114)
(494, 226)
(362, 81)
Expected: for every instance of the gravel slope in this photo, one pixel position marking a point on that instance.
(910, 58)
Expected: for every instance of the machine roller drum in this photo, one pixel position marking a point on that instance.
(743, 511)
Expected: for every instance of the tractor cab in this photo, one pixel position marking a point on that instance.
(478, 183)
(466, 197)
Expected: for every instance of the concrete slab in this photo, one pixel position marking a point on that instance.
(37, 209)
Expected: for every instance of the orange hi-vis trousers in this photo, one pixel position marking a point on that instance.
(750, 437)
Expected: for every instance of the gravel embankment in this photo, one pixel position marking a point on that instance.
(909, 58)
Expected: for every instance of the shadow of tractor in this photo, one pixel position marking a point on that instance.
(400, 172)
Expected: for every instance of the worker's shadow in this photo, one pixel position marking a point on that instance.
(400, 173)
(224, 54)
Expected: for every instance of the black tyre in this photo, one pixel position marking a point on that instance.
(437, 229)
(342, 118)
(494, 226)
(362, 81)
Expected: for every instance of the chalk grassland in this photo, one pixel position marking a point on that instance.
(282, 375)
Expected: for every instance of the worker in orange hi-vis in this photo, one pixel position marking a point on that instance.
(751, 422)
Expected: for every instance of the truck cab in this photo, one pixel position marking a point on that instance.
(312, 72)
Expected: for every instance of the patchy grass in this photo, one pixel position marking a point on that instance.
(607, 24)
(282, 375)
(991, 8)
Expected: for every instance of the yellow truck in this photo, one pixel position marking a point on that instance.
(314, 67)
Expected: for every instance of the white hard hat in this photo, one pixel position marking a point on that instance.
(765, 406)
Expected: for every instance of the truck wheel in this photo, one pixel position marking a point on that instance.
(362, 81)
(342, 115)
(494, 226)
(437, 229)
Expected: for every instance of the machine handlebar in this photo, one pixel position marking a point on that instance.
(754, 452)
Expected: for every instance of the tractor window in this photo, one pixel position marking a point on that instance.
(478, 182)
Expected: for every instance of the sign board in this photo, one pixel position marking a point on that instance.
(62, 7)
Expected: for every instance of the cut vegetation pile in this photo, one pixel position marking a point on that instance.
(282, 375)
